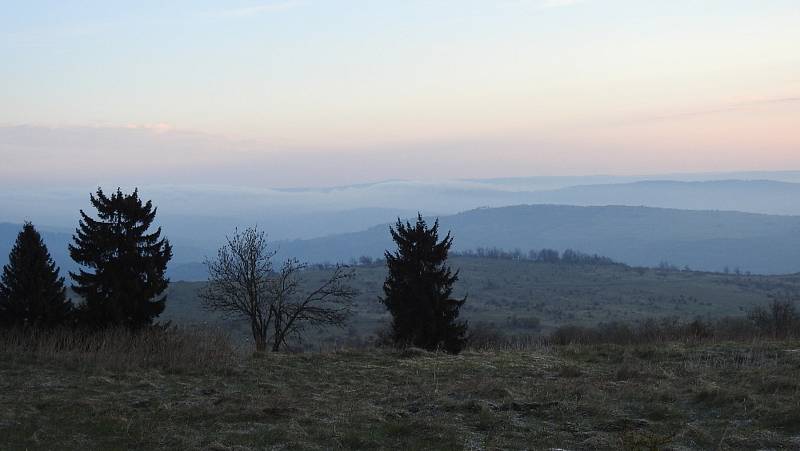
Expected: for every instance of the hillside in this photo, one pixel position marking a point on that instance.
(197, 217)
(523, 297)
(641, 236)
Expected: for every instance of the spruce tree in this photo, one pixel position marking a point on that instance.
(31, 292)
(126, 264)
(418, 289)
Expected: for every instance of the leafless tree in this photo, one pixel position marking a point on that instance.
(780, 318)
(239, 282)
(242, 283)
(293, 307)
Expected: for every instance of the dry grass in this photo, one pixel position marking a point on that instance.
(171, 350)
(665, 396)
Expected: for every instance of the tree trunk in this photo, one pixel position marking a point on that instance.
(261, 344)
(259, 337)
(277, 339)
(277, 336)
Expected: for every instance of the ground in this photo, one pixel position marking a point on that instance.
(666, 396)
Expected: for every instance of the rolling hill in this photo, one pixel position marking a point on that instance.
(752, 196)
(640, 236)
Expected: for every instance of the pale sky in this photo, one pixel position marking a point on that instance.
(309, 92)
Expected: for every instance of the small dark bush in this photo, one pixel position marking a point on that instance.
(779, 319)
(484, 335)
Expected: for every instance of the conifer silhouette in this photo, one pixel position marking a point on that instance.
(31, 292)
(127, 263)
(418, 289)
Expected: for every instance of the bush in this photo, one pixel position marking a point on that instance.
(567, 335)
(483, 335)
(778, 320)
(699, 329)
(733, 328)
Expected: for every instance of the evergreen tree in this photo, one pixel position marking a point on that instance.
(127, 262)
(31, 292)
(418, 289)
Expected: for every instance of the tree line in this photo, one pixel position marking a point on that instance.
(551, 256)
(122, 281)
(567, 257)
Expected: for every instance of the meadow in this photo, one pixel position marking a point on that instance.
(520, 297)
(671, 395)
(525, 381)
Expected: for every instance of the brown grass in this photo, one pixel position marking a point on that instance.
(654, 396)
(171, 350)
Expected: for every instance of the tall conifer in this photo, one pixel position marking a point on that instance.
(418, 289)
(127, 265)
(31, 292)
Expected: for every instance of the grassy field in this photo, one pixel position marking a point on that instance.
(666, 396)
(524, 297)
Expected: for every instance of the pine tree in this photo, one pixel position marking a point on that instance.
(128, 264)
(31, 292)
(418, 289)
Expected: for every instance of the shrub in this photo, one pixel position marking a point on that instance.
(566, 335)
(483, 335)
(778, 320)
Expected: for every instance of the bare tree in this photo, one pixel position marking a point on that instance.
(243, 284)
(239, 282)
(294, 307)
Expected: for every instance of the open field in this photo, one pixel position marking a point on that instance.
(666, 396)
(524, 297)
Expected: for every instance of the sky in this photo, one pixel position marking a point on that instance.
(289, 93)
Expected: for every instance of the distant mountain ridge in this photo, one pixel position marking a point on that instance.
(686, 222)
(706, 240)
(204, 213)
(753, 196)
